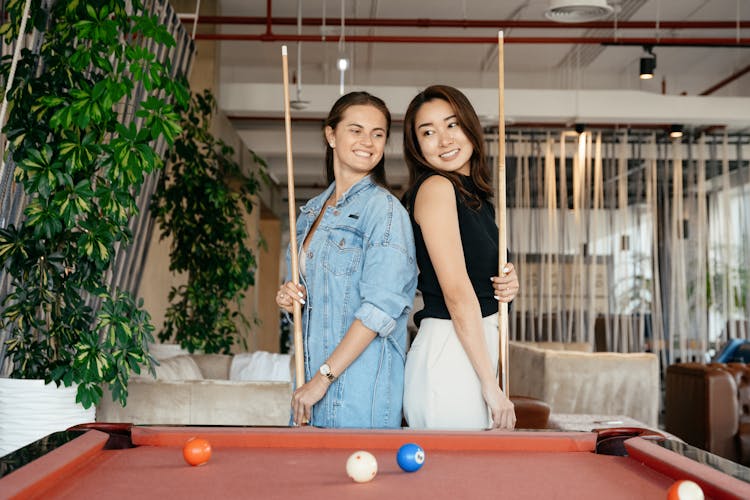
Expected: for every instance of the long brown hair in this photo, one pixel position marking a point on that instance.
(469, 122)
(337, 113)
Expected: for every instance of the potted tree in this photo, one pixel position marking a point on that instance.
(727, 286)
(86, 111)
(201, 203)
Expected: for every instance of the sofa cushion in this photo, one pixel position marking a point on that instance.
(178, 368)
(164, 351)
(214, 366)
(260, 366)
(562, 346)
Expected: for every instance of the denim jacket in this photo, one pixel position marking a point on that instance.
(360, 264)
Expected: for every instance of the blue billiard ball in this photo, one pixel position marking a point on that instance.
(410, 457)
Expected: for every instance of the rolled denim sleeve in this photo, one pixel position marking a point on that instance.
(389, 275)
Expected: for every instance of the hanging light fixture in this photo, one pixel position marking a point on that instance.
(343, 62)
(648, 63)
(299, 103)
(675, 131)
(577, 11)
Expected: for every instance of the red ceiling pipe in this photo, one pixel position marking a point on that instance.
(596, 126)
(269, 18)
(663, 42)
(726, 81)
(523, 125)
(467, 23)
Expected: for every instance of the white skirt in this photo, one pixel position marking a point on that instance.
(441, 388)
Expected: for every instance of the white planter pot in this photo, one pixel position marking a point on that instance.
(30, 410)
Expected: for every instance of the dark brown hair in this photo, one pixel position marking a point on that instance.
(337, 113)
(469, 122)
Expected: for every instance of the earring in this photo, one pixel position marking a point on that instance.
(330, 144)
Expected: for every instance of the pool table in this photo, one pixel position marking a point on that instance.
(248, 462)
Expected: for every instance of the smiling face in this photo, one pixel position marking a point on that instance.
(358, 141)
(443, 143)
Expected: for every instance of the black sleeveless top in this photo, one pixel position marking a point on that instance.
(479, 239)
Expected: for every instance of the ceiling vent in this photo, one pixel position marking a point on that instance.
(577, 11)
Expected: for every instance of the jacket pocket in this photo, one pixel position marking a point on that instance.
(343, 251)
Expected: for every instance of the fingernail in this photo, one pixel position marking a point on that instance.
(300, 295)
(506, 269)
(496, 297)
(301, 301)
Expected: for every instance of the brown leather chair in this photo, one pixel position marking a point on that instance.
(531, 413)
(708, 405)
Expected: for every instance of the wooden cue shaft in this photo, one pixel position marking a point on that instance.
(299, 363)
(501, 217)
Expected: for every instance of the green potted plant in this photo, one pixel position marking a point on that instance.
(634, 292)
(201, 203)
(731, 309)
(81, 162)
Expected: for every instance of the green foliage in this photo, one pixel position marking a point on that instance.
(736, 278)
(81, 168)
(200, 203)
(634, 293)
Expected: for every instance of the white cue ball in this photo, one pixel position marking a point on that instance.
(686, 490)
(361, 466)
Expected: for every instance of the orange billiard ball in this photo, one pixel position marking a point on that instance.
(196, 451)
(685, 490)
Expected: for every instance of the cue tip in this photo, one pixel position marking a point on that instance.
(283, 50)
(500, 34)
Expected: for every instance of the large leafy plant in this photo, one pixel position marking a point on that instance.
(200, 203)
(82, 142)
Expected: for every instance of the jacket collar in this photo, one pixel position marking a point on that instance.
(315, 204)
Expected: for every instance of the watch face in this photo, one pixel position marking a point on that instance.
(325, 370)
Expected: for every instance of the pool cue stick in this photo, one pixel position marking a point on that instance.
(299, 363)
(502, 323)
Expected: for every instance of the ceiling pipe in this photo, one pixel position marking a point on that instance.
(515, 125)
(269, 36)
(726, 81)
(268, 19)
(656, 42)
(469, 23)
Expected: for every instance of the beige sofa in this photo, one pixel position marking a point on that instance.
(195, 390)
(575, 381)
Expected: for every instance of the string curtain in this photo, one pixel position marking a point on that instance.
(628, 240)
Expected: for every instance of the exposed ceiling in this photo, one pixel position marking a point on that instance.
(538, 65)
(693, 56)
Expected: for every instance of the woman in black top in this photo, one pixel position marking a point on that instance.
(451, 368)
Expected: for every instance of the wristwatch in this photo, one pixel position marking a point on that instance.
(325, 370)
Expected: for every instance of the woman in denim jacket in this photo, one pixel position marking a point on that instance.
(357, 278)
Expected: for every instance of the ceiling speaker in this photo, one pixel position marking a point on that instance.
(577, 11)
